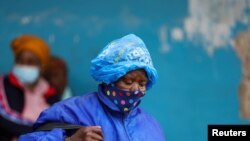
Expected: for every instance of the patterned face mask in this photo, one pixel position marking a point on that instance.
(125, 100)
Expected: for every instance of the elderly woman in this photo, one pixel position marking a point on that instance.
(125, 71)
(23, 93)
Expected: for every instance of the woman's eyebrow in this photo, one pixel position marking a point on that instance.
(128, 78)
(144, 80)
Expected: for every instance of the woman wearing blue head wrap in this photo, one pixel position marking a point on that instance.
(125, 71)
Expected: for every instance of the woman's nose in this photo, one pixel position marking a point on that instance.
(135, 87)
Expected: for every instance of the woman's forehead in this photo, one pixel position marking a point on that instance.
(27, 55)
(140, 73)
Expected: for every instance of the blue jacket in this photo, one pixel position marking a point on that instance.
(96, 109)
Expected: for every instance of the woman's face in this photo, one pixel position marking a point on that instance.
(27, 68)
(27, 58)
(132, 81)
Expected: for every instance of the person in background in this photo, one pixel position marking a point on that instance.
(125, 71)
(24, 94)
(57, 75)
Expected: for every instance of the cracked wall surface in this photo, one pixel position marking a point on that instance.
(242, 48)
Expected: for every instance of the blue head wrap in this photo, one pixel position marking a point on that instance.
(121, 56)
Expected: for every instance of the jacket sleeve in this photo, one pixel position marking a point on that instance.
(66, 111)
(56, 134)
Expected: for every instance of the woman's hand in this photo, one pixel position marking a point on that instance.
(87, 133)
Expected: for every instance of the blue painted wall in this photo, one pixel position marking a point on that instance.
(198, 75)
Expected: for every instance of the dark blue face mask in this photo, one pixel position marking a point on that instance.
(125, 100)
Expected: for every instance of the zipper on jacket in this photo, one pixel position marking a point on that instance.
(123, 123)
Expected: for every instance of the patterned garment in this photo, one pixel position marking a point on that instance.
(124, 100)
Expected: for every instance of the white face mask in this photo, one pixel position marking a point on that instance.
(26, 74)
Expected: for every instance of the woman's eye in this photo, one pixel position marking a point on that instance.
(143, 85)
(128, 83)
